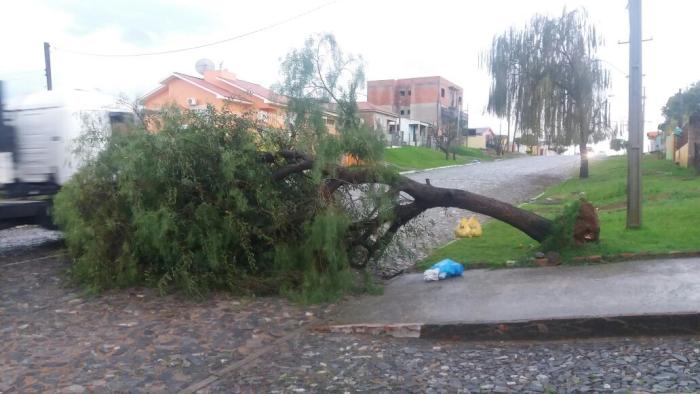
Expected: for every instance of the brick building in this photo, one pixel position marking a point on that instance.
(432, 100)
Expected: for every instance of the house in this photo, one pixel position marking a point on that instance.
(480, 138)
(222, 88)
(381, 120)
(657, 141)
(413, 132)
(687, 143)
(429, 100)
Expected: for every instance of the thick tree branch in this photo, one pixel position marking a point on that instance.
(426, 197)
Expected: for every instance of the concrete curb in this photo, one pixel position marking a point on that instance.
(437, 168)
(614, 258)
(549, 329)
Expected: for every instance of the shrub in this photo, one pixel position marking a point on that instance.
(562, 235)
(193, 208)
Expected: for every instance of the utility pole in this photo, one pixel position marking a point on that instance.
(634, 152)
(47, 64)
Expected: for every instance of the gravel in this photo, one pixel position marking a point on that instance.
(16, 239)
(346, 363)
(513, 181)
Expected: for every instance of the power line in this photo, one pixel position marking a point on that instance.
(21, 72)
(267, 27)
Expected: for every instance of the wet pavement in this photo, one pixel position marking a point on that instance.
(632, 288)
(54, 337)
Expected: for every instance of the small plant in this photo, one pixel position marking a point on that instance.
(562, 235)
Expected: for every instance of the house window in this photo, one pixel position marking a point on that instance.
(409, 111)
(442, 92)
(460, 99)
(409, 92)
(401, 112)
(330, 122)
(402, 92)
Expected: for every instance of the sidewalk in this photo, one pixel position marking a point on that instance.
(639, 297)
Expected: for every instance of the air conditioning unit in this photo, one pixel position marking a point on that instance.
(191, 101)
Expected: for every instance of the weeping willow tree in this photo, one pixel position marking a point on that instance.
(547, 80)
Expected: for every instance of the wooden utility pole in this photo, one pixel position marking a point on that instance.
(634, 151)
(47, 65)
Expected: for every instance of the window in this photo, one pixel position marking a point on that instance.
(409, 111)
(442, 92)
(460, 99)
(330, 122)
(409, 92)
(402, 92)
(401, 112)
(121, 122)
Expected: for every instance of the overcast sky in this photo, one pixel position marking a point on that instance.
(397, 39)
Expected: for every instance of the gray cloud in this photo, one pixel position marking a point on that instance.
(142, 21)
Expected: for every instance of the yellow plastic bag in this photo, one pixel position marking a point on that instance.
(468, 228)
(462, 230)
(474, 226)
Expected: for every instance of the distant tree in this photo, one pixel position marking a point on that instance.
(528, 140)
(547, 77)
(452, 128)
(681, 106)
(618, 144)
(319, 79)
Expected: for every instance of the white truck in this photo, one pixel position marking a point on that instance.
(37, 142)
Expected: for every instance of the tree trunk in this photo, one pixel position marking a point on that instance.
(583, 170)
(509, 141)
(426, 197)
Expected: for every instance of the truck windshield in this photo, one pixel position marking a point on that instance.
(121, 122)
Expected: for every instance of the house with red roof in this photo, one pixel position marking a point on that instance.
(219, 88)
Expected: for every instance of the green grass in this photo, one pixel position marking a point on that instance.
(671, 213)
(419, 158)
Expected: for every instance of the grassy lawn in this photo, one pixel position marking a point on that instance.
(418, 158)
(670, 216)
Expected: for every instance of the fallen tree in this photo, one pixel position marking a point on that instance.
(215, 200)
(375, 233)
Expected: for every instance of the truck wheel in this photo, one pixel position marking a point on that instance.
(44, 219)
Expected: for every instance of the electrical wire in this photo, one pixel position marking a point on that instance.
(165, 52)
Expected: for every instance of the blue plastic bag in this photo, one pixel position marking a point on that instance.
(446, 268)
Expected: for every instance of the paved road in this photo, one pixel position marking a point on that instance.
(513, 181)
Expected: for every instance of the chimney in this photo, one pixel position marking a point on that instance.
(211, 75)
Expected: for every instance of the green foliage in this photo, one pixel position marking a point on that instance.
(197, 206)
(414, 157)
(527, 140)
(470, 152)
(194, 208)
(618, 144)
(562, 235)
(671, 197)
(547, 78)
(681, 106)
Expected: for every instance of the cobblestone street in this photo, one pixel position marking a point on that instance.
(53, 338)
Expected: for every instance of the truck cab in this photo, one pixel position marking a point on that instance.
(38, 141)
(45, 129)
